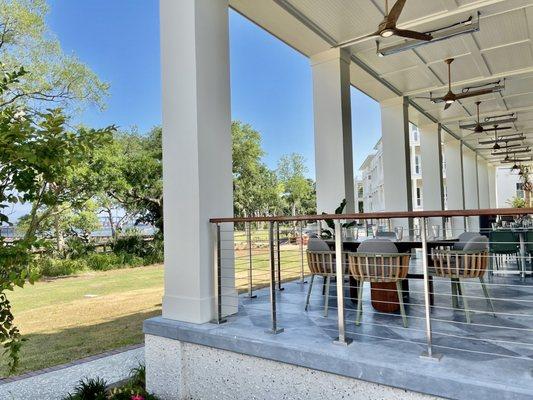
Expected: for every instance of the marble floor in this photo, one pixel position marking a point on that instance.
(508, 335)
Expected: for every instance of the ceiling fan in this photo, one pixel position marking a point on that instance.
(478, 128)
(451, 97)
(387, 27)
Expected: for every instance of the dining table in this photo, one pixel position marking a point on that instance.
(384, 296)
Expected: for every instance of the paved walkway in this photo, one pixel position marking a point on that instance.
(56, 382)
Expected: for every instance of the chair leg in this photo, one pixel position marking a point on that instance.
(359, 303)
(455, 297)
(400, 300)
(309, 292)
(487, 295)
(465, 301)
(326, 299)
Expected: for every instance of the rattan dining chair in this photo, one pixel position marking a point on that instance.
(378, 260)
(321, 262)
(457, 265)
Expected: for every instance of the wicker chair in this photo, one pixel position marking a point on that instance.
(321, 262)
(469, 263)
(377, 260)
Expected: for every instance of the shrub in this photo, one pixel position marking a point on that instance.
(77, 248)
(133, 244)
(96, 389)
(59, 267)
(131, 260)
(103, 261)
(89, 389)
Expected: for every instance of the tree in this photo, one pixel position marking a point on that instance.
(43, 163)
(255, 187)
(298, 191)
(54, 77)
(131, 176)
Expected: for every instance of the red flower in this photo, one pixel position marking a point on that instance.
(137, 397)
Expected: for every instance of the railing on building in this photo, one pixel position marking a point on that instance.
(256, 241)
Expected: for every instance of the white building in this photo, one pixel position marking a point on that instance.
(371, 172)
(508, 186)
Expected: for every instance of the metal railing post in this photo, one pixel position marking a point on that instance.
(428, 354)
(301, 229)
(217, 274)
(274, 329)
(250, 262)
(339, 274)
(278, 251)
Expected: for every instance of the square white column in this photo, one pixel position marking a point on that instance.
(396, 157)
(197, 166)
(471, 188)
(483, 183)
(333, 130)
(454, 182)
(431, 158)
(491, 170)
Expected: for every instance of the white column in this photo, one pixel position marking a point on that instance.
(471, 186)
(333, 130)
(197, 170)
(396, 156)
(483, 183)
(431, 157)
(454, 182)
(491, 170)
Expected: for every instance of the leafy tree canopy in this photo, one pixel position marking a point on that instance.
(54, 77)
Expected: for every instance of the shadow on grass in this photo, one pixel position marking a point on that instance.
(46, 350)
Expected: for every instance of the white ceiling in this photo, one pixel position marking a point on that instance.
(502, 48)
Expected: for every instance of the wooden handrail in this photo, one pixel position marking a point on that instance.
(384, 215)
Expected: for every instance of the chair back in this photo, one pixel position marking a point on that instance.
(377, 260)
(320, 258)
(471, 262)
(504, 242)
(529, 241)
(463, 238)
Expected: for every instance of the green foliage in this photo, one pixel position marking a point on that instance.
(517, 202)
(132, 244)
(131, 176)
(255, 188)
(331, 224)
(96, 389)
(76, 247)
(48, 266)
(298, 191)
(54, 76)
(89, 389)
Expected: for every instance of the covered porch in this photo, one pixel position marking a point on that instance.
(210, 341)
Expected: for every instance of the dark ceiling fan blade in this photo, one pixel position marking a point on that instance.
(500, 128)
(448, 105)
(353, 41)
(395, 12)
(412, 34)
(473, 93)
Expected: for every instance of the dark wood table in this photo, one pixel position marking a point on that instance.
(383, 295)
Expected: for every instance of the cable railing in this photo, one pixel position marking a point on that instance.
(443, 280)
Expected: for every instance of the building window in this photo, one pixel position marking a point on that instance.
(418, 197)
(520, 190)
(417, 164)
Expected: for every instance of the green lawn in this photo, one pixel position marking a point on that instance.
(69, 318)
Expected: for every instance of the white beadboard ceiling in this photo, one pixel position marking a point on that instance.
(502, 48)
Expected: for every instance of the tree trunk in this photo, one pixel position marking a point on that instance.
(60, 241)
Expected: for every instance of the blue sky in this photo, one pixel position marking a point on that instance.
(271, 84)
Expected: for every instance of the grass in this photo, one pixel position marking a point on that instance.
(65, 319)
